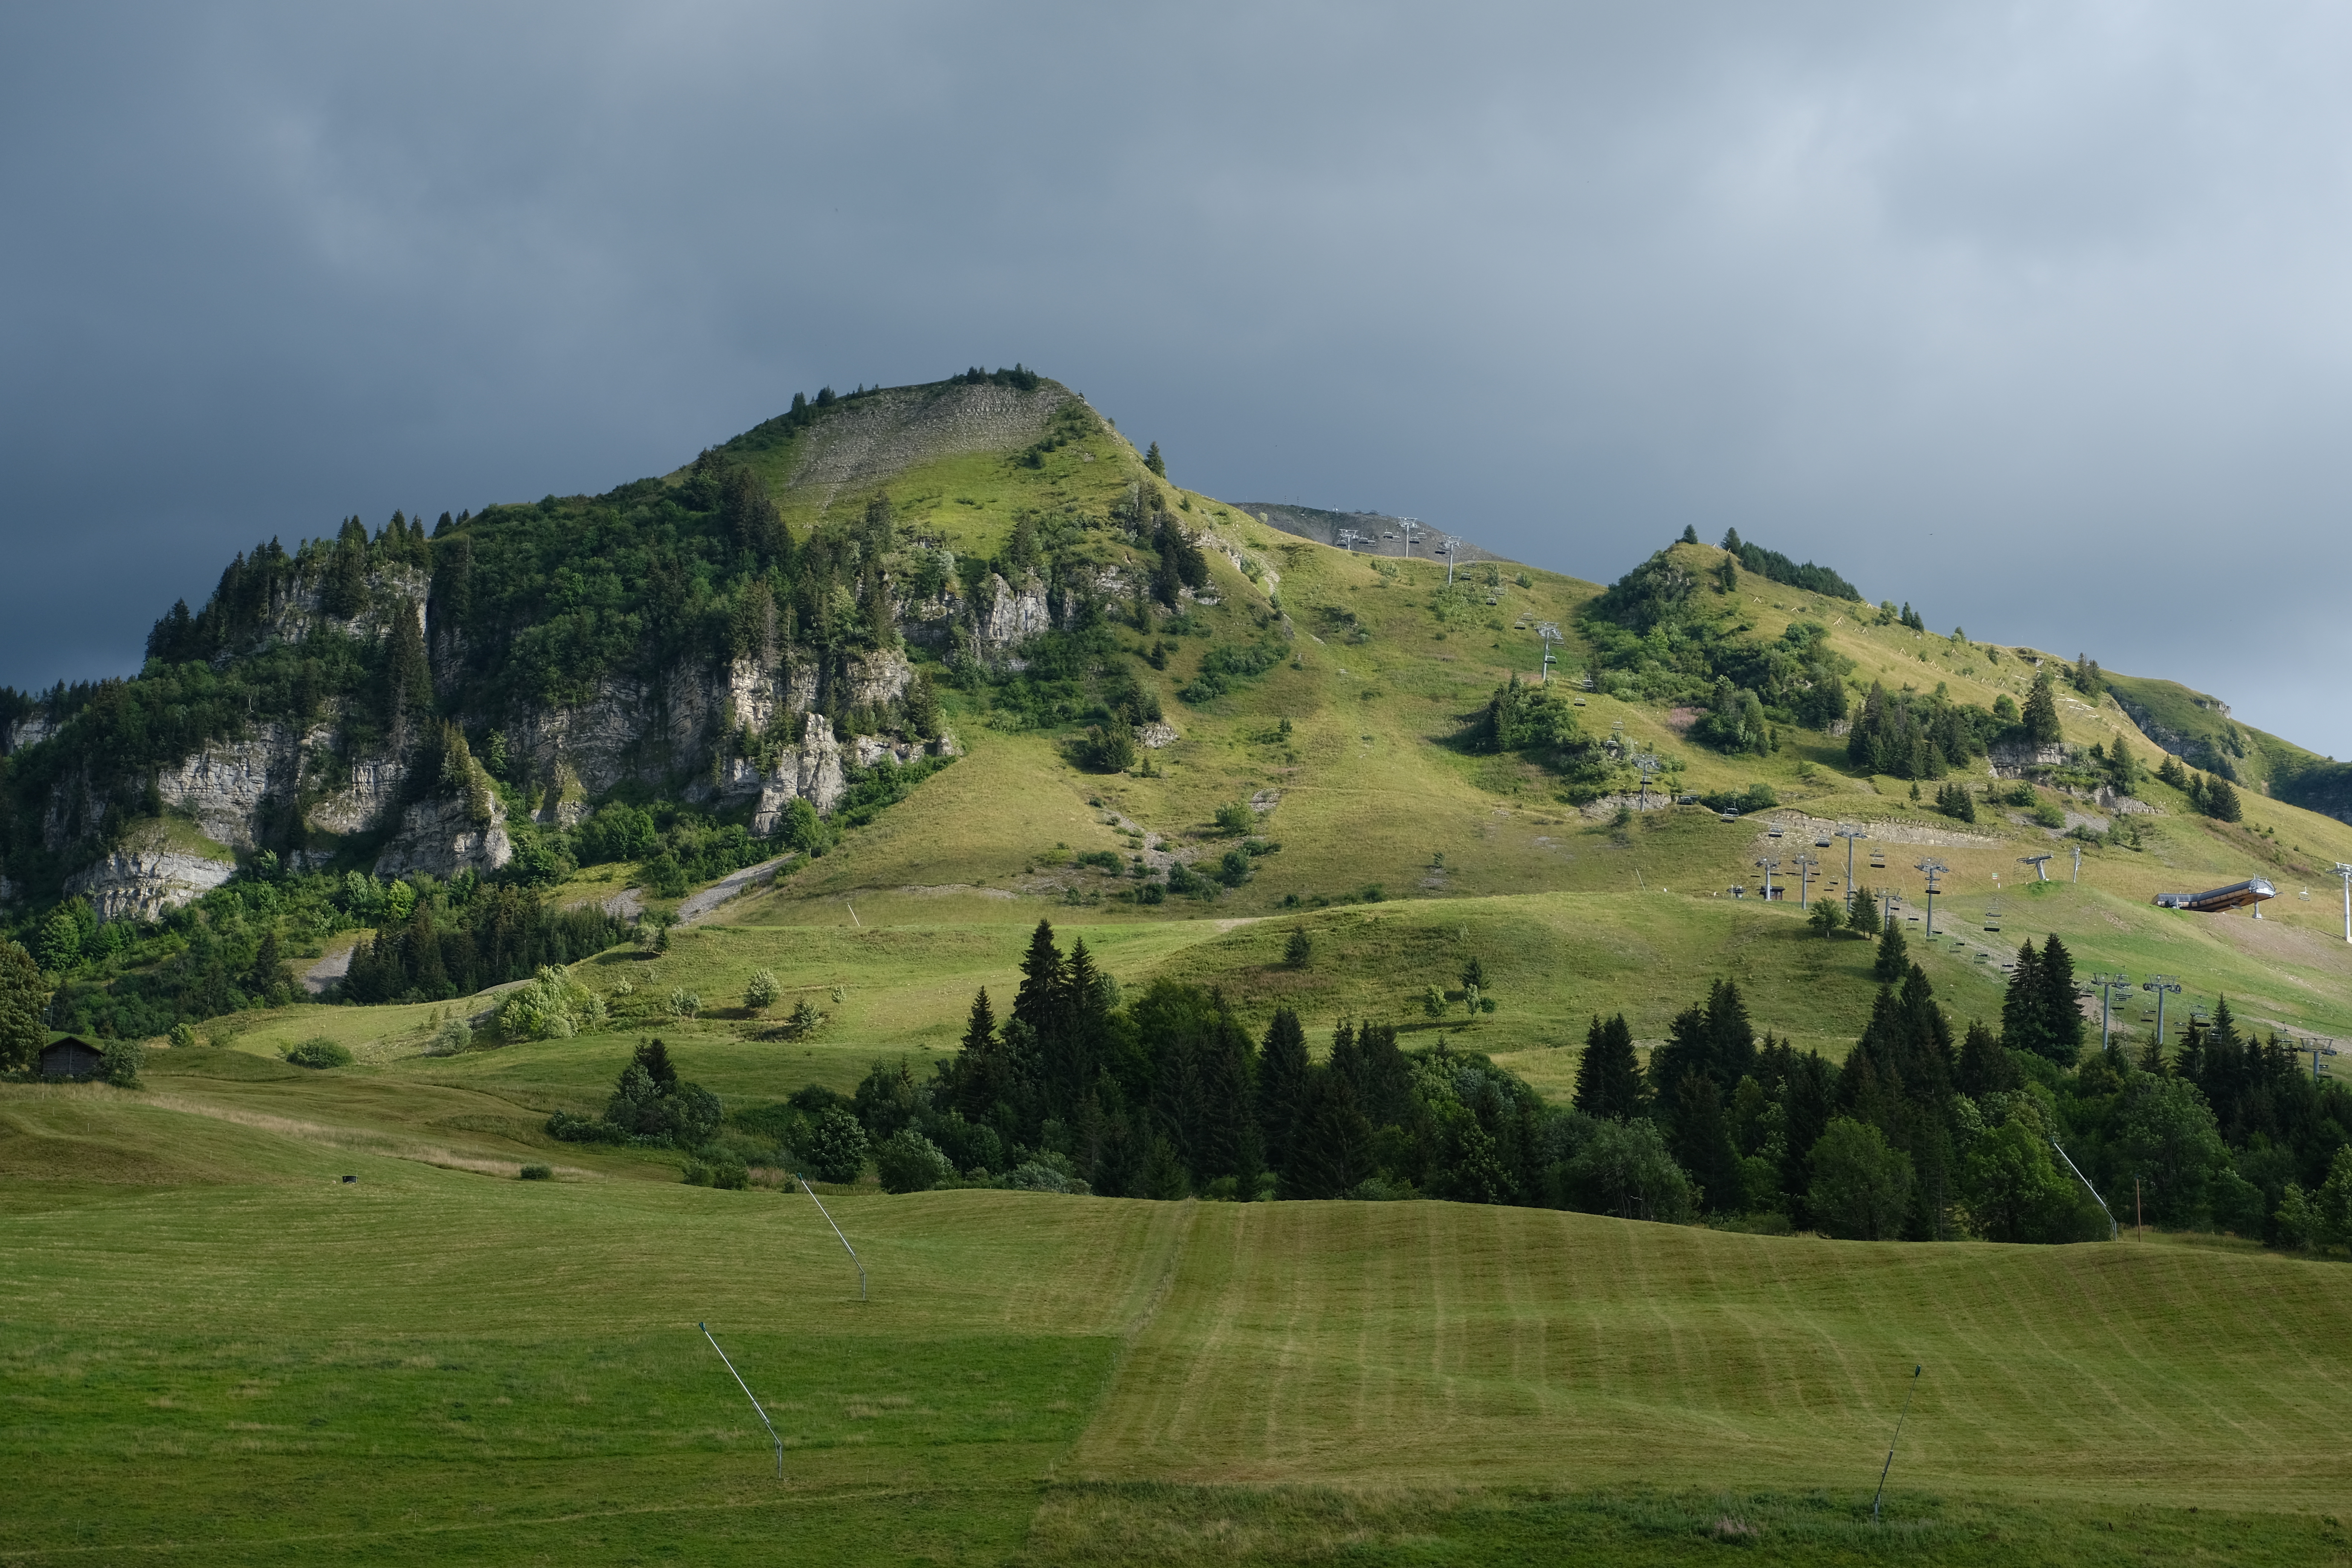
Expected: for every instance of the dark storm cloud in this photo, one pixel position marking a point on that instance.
(2031, 315)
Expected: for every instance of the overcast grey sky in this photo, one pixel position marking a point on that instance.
(2036, 316)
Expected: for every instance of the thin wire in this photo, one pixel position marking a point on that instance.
(837, 1230)
(747, 1395)
(1915, 1370)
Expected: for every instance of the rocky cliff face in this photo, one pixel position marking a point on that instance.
(442, 838)
(144, 883)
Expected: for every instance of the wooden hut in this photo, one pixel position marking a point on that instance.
(71, 1058)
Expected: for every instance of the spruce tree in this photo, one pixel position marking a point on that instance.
(1894, 960)
(1473, 974)
(1690, 534)
(1331, 1149)
(2041, 712)
(976, 1067)
(1155, 462)
(1298, 949)
(1985, 1066)
(2061, 1015)
(1282, 1075)
(2220, 802)
(1608, 1076)
(2021, 1028)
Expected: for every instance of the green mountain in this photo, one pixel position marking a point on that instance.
(924, 795)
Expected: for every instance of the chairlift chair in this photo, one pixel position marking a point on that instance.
(1773, 832)
(1730, 816)
(1820, 843)
(1878, 859)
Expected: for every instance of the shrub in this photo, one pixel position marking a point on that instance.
(760, 992)
(184, 1037)
(2048, 813)
(549, 1007)
(684, 1004)
(1033, 1178)
(121, 1060)
(573, 1129)
(535, 1173)
(909, 1163)
(1106, 749)
(1235, 817)
(837, 1148)
(321, 1052)
(450, 1039)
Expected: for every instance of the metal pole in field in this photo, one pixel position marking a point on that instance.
(2078, 865)
(2344, 871)
(1933, 868)
(1804, 864)
(837, 1230)
(749, 1394)
(2160, 984)
(1882, 1471)
(1849, 832)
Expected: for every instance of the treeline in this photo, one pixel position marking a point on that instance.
(1779, 568)
(1916, 1135)
(466, 936)
(1169, 1097)
(233, 948)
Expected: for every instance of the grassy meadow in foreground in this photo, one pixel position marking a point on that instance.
(241, 1358)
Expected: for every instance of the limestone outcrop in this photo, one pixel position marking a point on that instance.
(443, 837)
(144, 883)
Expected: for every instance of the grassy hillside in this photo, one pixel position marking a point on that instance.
(239, 1357)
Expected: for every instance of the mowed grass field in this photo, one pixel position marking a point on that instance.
(213, 1349)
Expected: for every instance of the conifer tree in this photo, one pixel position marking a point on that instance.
(407, 678)
(1893, 961)
(1282, 1075)
(2220, 802)
(1608, 1076)
(2062, 1016)
(1984, 1066)
(1155, 462)
(2041, 712)
(1331, 1149)
(2021, 1027)
(1298, 949)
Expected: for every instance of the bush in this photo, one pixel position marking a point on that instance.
(121, 1060)
(1235, 817)
(1106, 749)
(549, 1007)
(1755, 797)
(837, 1148)
(2048, 813)
(321, 1052)
(451, 1038)
(184, 1037)
(909, 1163)
(535, 1173)
(573, 1129)
(1033, 1178)
(760, 992)
(684, 1004)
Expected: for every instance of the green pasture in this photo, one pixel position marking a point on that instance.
(213, 1349)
